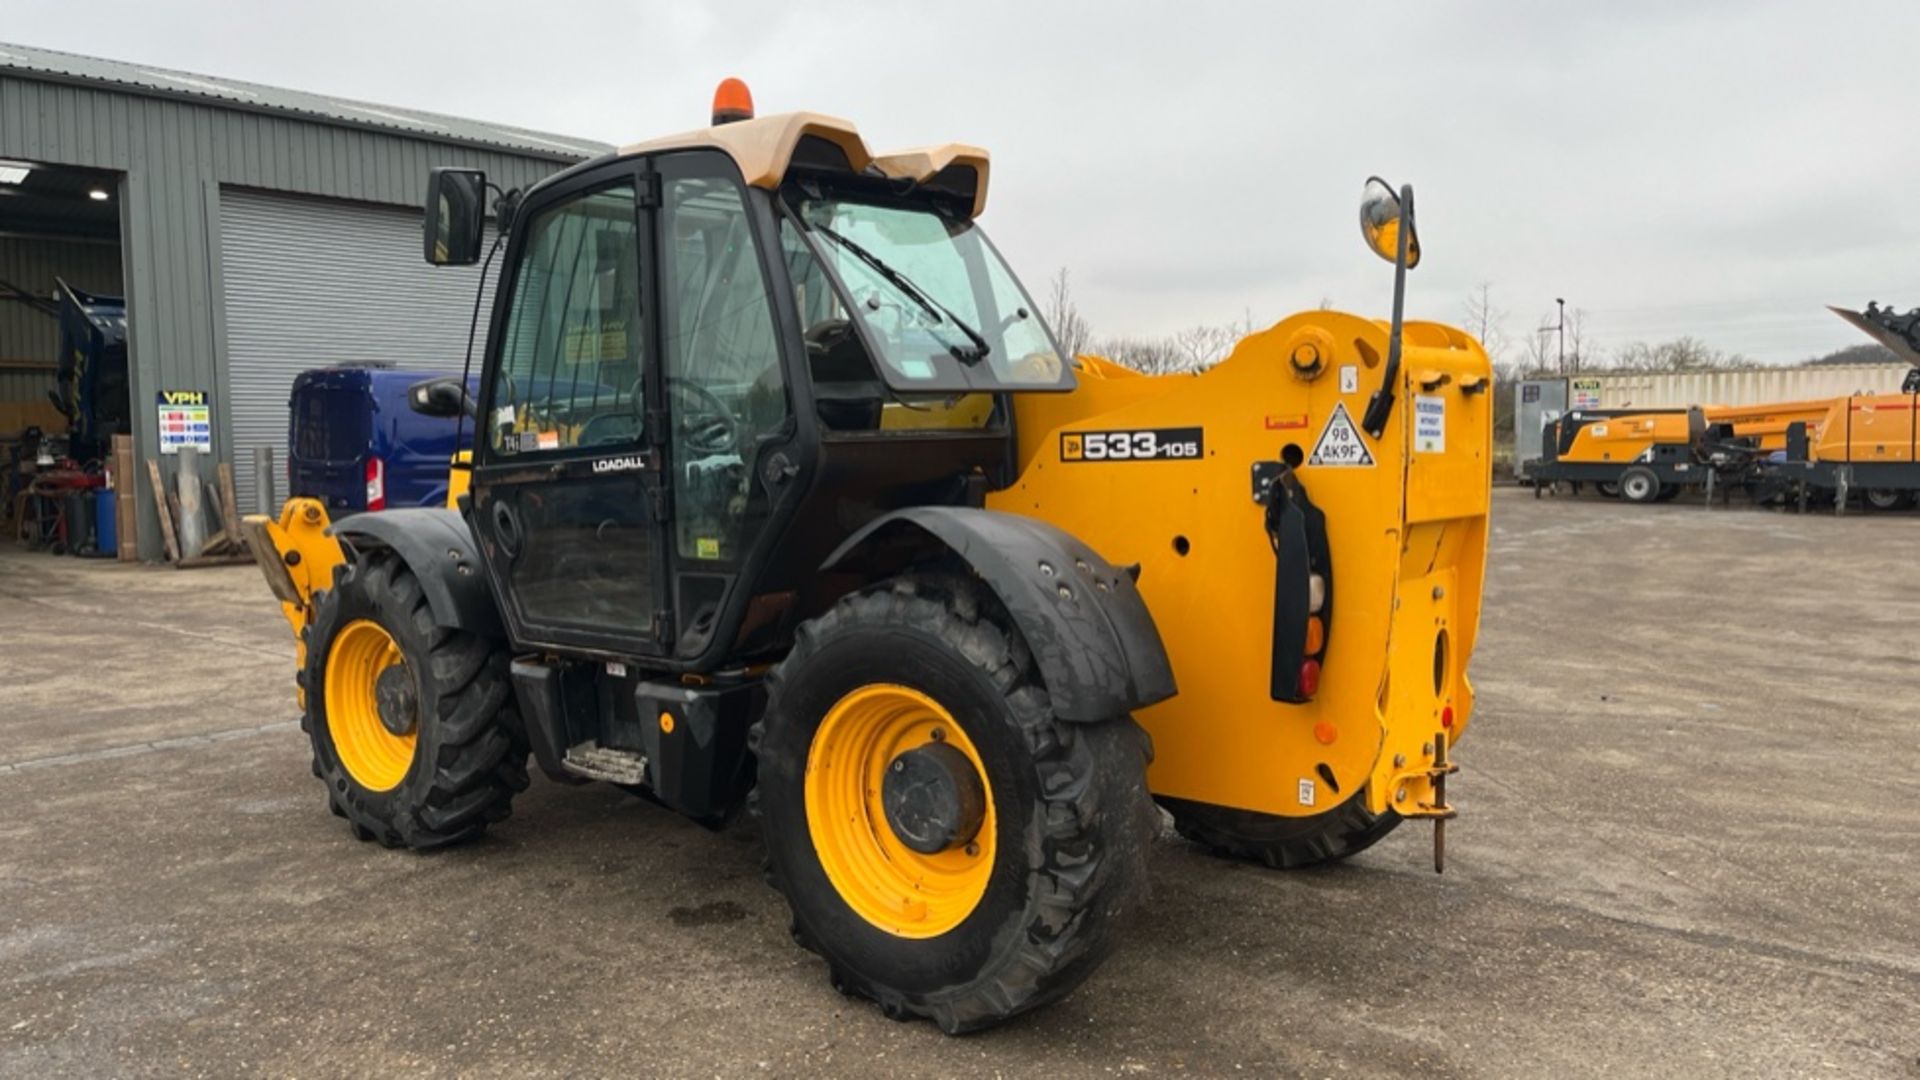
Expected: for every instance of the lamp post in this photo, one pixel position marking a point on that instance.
(1562, 301)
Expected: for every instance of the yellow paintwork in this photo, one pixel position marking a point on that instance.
(297, 557)
(1868, 428)
(1624, 438)
(967, 412)
(897, 889)
(1767, 423)
(459, 478)
(376, 758)
(1407, 537)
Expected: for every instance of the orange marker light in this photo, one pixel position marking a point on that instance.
(732, 101)
(1316, 635)
(1325, 732)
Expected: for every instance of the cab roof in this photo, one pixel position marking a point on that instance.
(768, 148)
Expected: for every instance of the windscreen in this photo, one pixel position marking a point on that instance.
(940, 308)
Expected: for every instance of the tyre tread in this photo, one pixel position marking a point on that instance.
(1082, 771)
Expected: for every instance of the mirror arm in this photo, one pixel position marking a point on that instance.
(1380, 406)
(506, 205)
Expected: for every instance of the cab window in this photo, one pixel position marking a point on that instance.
(571, 356)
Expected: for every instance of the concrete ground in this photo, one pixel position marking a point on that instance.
(1688, 847)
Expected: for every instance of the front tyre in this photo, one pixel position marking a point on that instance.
(952, 849)
(412, 726)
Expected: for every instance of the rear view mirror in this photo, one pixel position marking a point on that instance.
(456, 216)
(1381, 219)
(444, 396)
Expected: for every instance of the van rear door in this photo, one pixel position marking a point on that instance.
(329, 437)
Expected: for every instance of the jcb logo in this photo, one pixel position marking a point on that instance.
(1071, 448)
(183, 397)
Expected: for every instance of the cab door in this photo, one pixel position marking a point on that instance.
(566, 494)
(729, 451)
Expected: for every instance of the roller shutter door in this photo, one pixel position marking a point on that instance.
(312, 283)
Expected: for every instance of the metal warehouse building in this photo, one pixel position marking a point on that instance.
(255, 232)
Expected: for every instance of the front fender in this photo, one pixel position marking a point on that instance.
(438, 547)
(1088, 627)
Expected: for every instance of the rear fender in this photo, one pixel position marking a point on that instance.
(1088, 628)
(438, 547)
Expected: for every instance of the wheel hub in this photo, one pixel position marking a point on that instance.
(933, 798)
(372, 706)
(901, 811)
(396, 700)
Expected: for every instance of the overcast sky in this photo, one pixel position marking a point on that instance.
(1715, 169)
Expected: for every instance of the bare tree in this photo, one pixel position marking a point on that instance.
(1070, 329)
(1201, 347)
(1484, 321)
(1680, 354)
(1577, 340)
(1148, 356)
(1542, 350)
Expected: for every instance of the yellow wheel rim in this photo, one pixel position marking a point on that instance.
(376, 758)
(892, 886)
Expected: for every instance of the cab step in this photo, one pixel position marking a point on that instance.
(596, 762)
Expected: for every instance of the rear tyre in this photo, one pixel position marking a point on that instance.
(1639, 484)
(1283, 842)
(1668, 493)
(412, 725)
(1008, 898)
(1886, 499)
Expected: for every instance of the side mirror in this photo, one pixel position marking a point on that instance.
(456, 216)
(443, 397)
(1381, 219)
(1386, 220)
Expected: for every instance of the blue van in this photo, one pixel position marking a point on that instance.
(354, 442)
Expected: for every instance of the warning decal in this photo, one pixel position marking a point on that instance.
(1340, 443)
(1429, 424)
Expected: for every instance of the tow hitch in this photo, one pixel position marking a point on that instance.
(1438, 808)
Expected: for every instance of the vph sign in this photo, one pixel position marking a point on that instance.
(186, 419)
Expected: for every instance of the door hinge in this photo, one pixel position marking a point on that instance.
(662, 626)
(660, 499)
(649, 192)
(657, 426)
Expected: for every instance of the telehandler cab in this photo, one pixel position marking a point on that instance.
(783, 495)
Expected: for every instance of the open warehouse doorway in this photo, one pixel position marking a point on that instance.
(64, 387)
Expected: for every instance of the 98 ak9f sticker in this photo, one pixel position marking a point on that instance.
(1340, 444)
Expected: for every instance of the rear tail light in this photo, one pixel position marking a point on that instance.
(376, 484)
(1309, 677)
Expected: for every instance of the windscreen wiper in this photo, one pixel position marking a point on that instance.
(940, 312)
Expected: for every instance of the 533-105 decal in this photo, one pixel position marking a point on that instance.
(1139, 444)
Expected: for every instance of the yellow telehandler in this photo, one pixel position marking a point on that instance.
(783, 496)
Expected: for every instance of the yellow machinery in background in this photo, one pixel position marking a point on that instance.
(1652, 455)
(783, 495)
(1869, 443)
(1820, 449)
